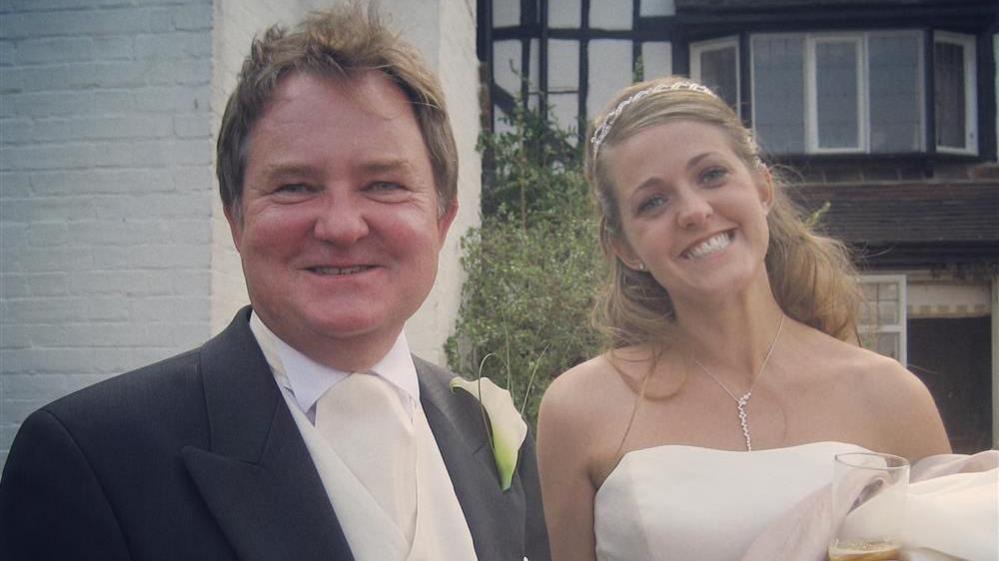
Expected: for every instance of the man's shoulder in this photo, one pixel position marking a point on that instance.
(149, 387)
(172, 383)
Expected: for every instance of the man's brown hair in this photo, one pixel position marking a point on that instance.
(340, 43)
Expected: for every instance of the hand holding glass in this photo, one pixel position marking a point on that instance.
(868, 501)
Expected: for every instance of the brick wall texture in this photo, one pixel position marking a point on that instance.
(106, 191)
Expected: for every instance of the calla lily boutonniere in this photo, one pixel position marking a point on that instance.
(508, 428)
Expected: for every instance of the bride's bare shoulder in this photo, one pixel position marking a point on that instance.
(578, 382)
(898, 402)
(612, 370)
(867, 371)
(593, 385)
(842, 360)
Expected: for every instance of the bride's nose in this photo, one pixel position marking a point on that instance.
(693, 210)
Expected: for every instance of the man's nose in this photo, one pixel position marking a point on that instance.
(340, 220)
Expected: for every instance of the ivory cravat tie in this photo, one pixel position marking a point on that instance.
(369, 425)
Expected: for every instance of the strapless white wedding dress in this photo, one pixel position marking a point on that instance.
(684, 503)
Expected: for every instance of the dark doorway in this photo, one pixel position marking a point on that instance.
(953, 358)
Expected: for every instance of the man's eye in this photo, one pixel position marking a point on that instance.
(293, 188)
(384, 186)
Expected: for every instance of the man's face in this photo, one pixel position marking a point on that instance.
(340, 226)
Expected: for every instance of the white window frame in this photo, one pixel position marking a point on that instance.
(900, 328)
(696, 49)
(811, 94)
(967, 42)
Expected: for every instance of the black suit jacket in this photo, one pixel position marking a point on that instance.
(197, 457)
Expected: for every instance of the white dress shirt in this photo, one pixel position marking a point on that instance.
(441, 530)
(307, 380)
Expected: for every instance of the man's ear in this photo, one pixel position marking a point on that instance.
(444, 221)
(234, 218)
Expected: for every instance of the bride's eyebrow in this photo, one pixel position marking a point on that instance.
(693, 162)
(650, 183)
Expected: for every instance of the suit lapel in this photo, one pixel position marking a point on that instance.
(458, 426)
(258, 478)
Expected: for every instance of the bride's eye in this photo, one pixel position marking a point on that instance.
(651, 204)
(714, 176)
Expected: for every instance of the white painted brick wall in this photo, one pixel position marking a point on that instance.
(106, 188)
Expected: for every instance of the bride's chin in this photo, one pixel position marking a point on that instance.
(713, 286)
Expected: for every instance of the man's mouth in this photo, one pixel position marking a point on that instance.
(340, 271)
(709, 246)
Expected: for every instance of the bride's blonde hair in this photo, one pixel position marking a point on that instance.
(812, 276)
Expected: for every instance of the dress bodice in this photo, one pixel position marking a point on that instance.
(674, 502)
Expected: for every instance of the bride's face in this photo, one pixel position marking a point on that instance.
(692, 212)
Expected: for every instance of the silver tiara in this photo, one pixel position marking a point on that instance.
(601, 133)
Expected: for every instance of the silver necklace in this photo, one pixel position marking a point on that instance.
(742, 402)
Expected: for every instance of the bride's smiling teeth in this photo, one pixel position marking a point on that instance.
(715, 243)
(340, 270)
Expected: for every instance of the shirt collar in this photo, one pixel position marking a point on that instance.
(308, 380)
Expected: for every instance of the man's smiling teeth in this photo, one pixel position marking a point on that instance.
(340, 270)
(709, 246)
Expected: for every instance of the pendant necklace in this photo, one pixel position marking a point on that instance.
(742, 402)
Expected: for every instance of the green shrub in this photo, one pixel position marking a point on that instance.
(532, 267)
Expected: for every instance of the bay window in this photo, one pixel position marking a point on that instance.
(778, 72)
(849, 92)
(954, 92)
(895, 92)
(716, 65)
(834, 94)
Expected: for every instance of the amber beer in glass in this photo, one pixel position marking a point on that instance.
(868, 503)
(865, 551)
